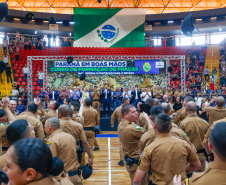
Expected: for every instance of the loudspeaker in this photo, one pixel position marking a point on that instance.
(82, 76)
(3, 10)
(52, 20)
(170, 69)
(99, 1)
(30, 16)
(2, 66)
(69, 60)
(187, 26)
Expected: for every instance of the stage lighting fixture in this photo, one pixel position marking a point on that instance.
(52, 20)
(99, 1)
(82, 76)
(9, 19)
(3, 10)
(187, 26)
(69, 60)
(30, 16)
(170, 69)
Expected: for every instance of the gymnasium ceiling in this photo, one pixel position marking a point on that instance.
(152, 6)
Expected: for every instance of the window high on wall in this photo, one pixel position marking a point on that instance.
(51, 41)
(1, 39)
(199, 40)
(217, 38)
(188, 41)
(157, 42)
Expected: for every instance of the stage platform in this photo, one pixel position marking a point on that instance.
(105, 124)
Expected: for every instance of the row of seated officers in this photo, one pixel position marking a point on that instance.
(154, 152)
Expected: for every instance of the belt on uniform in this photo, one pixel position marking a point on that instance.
(201, 151)
(5, 148)
(73, 173)
(131, 161)
(89, 128)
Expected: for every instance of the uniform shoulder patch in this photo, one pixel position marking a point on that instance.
(48, 144)
(6, 123)
(178, 112)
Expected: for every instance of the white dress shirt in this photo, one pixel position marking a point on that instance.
(124, 94)
(145, 96)
(25, 70)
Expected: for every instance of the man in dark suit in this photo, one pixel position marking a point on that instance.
(106, 98)
(136, 96)
(8, 73)
(54, 94)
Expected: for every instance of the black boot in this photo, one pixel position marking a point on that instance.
(121, 163)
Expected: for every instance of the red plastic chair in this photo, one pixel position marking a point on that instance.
(38, 88)
(24, 83)
(178, 82)
(35, 83)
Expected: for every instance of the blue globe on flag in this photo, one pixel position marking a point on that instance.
(108, 32)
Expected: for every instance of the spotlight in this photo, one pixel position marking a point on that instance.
(69, 60)
(30, 16)
(52, 20)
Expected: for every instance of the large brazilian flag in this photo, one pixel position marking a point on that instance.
(109, 27)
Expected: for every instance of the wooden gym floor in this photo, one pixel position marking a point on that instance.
(106, 170)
